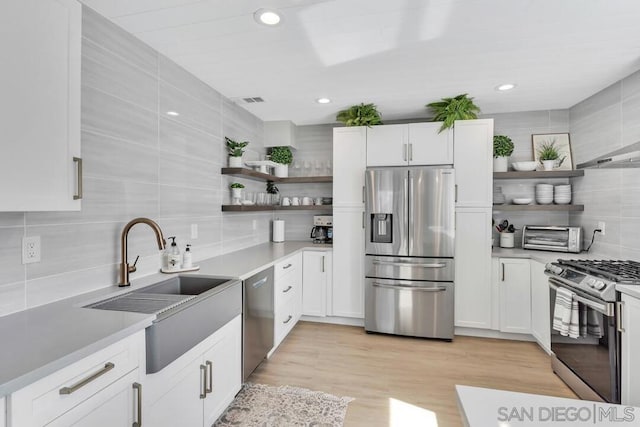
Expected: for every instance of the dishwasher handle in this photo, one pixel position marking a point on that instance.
(260, 282)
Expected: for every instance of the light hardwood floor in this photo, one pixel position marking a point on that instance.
(372, 368)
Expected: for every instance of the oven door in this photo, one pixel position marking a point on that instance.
(593, 356)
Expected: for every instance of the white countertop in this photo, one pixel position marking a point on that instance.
(42, 340)
(485, 407)
(631, 290)
(540, 256)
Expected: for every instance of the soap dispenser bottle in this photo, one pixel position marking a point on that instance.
(173, 259)
(187, 261)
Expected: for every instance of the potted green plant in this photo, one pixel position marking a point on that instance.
(502, 149)
(448, 110)
(360, 115)
(549, 155)
(272, 190)
(236, 193)
(283, 157)
(235, 149)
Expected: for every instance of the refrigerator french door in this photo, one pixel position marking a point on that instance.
(409, 248)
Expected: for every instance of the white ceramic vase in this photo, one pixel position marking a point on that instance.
(235, 162)
(500, 164)
(548, 164)
(281, 171)
(236, 196)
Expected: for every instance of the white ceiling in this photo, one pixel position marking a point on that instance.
(398, 54)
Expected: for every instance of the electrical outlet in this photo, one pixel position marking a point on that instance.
(601, 226)
(30, 249)
(194, 231)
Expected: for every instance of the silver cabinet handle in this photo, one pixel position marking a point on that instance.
(287, 290)
(408, 264)
(323, 263)
(363, 194)
(138, 388)
(203, 381)
(362, 219)
(408, 288)
(410, 152)
(68, 390)
(260, 282)
(287, 266)
(619, 306)
(455, 198)
(502, 263)
(288, 319)
(209, 388)
(404, 152)
(78, 161)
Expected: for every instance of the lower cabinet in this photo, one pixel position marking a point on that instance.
(316, 283)
(514, 280)
(287, 296)
(347, 296)
(196, 388)
(102, 389)
(630, 353)
(540, 306)
(3, 412)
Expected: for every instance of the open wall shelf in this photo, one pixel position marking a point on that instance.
(258, 208)
(259, 176)
(557, 208)
(537, 174)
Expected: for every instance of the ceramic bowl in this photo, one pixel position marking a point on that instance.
(522, 201)
(524, 166)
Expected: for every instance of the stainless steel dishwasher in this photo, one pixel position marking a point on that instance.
(257, 320)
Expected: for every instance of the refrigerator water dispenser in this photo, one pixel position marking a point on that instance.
(382, 228)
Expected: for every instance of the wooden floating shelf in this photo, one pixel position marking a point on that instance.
(561, 208)
(258, 208)
(259, 176)
(537, 174)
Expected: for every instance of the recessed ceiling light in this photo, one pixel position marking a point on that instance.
(323, 100)
(505, 87)
(266, 17)
(172, 113)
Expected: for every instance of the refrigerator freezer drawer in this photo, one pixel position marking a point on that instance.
(436, 269)
(403, 307)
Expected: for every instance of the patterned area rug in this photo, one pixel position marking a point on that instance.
(284, 406)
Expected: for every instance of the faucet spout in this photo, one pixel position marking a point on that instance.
(125, 268)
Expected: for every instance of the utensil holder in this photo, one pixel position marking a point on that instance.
(507, 240)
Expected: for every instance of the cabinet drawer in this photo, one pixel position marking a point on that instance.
(287, 285)
(286, 266)
(286, 316)
(52, 396)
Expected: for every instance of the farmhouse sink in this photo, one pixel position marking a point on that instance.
(188, 309)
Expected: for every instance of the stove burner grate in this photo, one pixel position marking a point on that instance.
(623, 272)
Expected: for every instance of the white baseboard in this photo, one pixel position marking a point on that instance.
(349, 321)
(489, 333)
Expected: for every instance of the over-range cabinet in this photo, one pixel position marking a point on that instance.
(409, 247)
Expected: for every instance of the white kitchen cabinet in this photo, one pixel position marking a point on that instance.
(40, 107)
(514, 281)
(316, 282)
(3, 412)
(473, 302)
(630, 352)
(279, 133)
(349, 164)
(409, 144)
(347, 298)
(473, 154)
(540, 306)
(195, 389)
(287, 296)
(102, 382)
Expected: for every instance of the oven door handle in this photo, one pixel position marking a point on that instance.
(606, 309)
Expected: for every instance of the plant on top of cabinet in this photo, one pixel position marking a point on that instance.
(235, 149)
(548, 155)
(283, 157)
(502, 149)
(448, 110)
(360, 115)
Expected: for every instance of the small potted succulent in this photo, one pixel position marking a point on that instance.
(549, 155)
(235, 149)
(360, 115)
(448, 110)
(236, 193)
(283, 157)
(502, 149)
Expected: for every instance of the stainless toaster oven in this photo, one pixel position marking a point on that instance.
(552, 238)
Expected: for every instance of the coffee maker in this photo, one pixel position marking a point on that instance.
(322, 231)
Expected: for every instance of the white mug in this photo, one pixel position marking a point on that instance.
(285, 201)
(295, 201)
(318, 201)
(307, 201)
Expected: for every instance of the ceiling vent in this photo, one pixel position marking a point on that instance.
(253, 100)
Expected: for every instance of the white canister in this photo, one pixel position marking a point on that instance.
(500, 164)
(235, 162)
(507, 240)
(278, 230)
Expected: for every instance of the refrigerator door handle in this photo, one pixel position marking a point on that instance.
(409, 189)
(408, 288)
(408, 264)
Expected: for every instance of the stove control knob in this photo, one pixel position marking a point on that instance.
(599, 284)
(553, 268)
(591, 282)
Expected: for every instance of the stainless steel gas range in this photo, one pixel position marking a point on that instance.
(588, 360)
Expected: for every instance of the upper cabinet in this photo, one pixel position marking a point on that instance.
(409, 144)
(40, 167)
(473, 154)
(349, 164)
(280, 133)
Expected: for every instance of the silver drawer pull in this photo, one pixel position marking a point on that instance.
(287, 266)
(287, 290)
(138, 387)
(260, 282)
(68, 390)
(288, 319)
(408, 288)
(203, 381)
(209, 387)
(408, 264)
(78, 195)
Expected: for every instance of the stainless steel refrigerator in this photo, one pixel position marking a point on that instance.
(409, 264)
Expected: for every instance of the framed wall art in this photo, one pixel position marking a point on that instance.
(548, 143)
